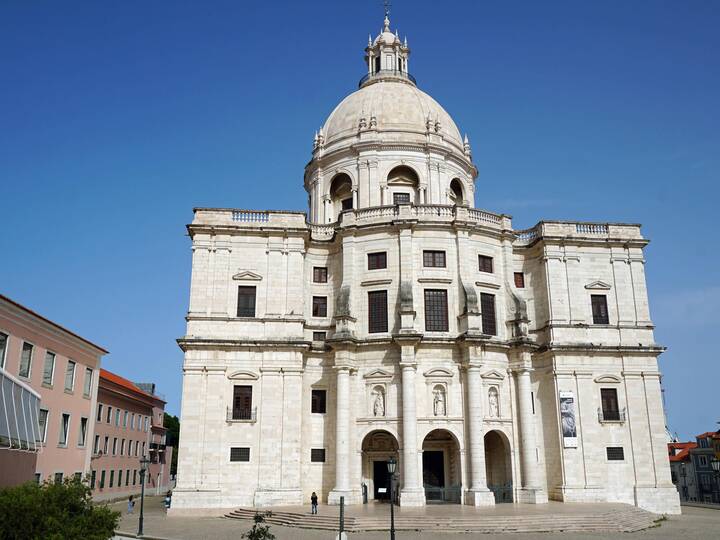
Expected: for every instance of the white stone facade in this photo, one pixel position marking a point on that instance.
(471, 413)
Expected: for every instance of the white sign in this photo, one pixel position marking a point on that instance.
(382, 490)
(567, 419)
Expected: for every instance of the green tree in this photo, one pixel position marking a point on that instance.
(62, 511)
(259, 531)
(172, 438)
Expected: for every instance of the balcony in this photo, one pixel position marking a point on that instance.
(611, 417)
(387, 74)
(157, 447)
(247, 415)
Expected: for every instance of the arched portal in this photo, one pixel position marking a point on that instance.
(442, 477)
(377, 448)
(341, 196)
(498, 466)
(402, 182)
(456, 192)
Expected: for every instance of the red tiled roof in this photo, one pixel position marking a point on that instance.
(121, 381)
(709, 435)
(684, 452)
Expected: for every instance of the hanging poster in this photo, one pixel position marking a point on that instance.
(567, 419)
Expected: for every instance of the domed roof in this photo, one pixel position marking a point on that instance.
(396, 106)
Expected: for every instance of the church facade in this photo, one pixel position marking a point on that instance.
(396, 320)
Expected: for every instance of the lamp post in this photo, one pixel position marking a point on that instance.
(391, 466)
(715, 462)
(144, 462)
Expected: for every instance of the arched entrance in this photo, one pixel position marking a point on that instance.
(442, 478)
(498, 466)
(341, 194)
(456, 192)
(377, 448)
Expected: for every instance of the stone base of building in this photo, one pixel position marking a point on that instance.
(351, 497)
(660, 500)
(196, 502)
(479, 497)
(532, 496)
(277, 497)
(412, 497)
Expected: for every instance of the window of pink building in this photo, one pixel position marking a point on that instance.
(25, 360)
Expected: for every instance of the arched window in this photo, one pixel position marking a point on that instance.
(341, 194)
(456, 192)
(402, 183)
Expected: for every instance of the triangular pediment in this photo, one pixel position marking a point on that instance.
(598, 285)
(243, 375)
(438, 372)
(608, 379)
(494, 375)
(377, 374)
(247, 275)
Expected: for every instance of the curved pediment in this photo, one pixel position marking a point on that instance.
(608, 379)
(438, 372)
(243, 375)
(598, 286)
(247, 275)
(378, 374)
(494, 375)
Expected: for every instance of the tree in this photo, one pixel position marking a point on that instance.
(62, 511)
(259, 531)
(172, 438)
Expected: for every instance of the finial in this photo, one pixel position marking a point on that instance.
(369, 40)
(405, 43)
(387, 24)
(466, 139)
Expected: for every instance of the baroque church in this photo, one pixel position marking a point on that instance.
(394, 319)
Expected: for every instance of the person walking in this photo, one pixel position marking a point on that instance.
(131, 505)
(168, 499)
(313, 502)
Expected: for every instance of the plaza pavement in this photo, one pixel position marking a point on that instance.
(694, 524)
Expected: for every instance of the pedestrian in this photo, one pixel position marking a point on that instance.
(131, 505)
(313, 502)
(168, 498)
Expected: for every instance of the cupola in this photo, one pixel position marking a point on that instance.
(386, 57)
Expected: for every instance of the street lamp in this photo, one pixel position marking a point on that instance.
(144, 462)
(391, 466)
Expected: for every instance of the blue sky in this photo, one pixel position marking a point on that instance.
(117, 119)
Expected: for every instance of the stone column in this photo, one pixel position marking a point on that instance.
(531, 491)
(342, 439)
(478, 494)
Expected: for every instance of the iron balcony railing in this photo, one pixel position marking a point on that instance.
(387, 73)
(443, 494)
(611, 416)
(242, 414)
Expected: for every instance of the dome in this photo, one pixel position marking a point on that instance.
(396, 106)
(387, 37)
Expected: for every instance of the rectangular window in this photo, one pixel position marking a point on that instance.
(93, 475)
(519, 280)
(487, 311)
(38, 478)
(82, 434)
(105, 446)
(109, 415)
(119, 477)
(599, 309)
(42, 419)
(242, 403)
(117, 417)
(318, 399)
(376, 261)
(347, 204)
(114, 446)
(319, 306)
(122, 447)
(99, 413)
(87, 386)
(401, 198)
(609, 401)
(319, 336)
(320, 274)
(147, 423)
(485, 264)
(3, 349)
(127, 477)
(96, 445)
(240, 454)
(246, 301)
(434, 259)
(377, 312)
(615, 453)
(64, 428)
(436, 310)
(112, 478)
(58, 477)
(317, 455)
(102, 479)
(48, 368)
(70, 376)
(25, 360)
(125, 419)
(134, 476)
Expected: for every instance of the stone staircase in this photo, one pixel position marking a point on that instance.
(630, 519)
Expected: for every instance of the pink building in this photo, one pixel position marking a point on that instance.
(63, 368)
(128, 426)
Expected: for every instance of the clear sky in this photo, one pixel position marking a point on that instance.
(116, 119)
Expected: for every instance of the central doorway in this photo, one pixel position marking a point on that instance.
(377, 448)
(434, 468)
(442, 477)
(381, 481)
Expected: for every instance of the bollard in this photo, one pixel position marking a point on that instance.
(342, 516)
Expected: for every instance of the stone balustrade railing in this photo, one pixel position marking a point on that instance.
(573, 229)
(248, 218)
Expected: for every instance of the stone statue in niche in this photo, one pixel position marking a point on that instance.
(379, 403)
(493, 408)
(439, 401)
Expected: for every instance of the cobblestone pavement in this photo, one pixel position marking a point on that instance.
(694, 524)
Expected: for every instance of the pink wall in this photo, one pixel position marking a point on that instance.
(24, 326)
